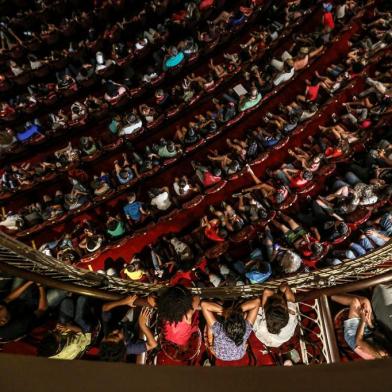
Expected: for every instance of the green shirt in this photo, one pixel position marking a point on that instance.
(118, 231)
(163, 152)
(113, 126)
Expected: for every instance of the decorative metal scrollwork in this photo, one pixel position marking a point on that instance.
(23, 257)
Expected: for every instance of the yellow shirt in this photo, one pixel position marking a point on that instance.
(75, 345)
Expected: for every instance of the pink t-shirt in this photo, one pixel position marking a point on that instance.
(179, 333)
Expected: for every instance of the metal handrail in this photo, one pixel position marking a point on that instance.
(18, 259)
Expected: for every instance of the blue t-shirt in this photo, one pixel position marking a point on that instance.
(132, 210)
(174, 60)
(28, 133)
(128, 178)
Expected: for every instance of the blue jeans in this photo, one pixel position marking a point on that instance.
(357, 249)
(53, 296)
(349, 254)
(386, 223)
(76, 312)
(352, 178)
(366, 243)
(339, 184)
(229, 98)
(376, 239)
(280, 175)
(256, 254)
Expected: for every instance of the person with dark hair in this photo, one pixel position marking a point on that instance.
(231, 334)
(125, 173)
(277, 319)
(160, 198)
(119, 340)
(311, 91)
(177, 311)
(303, 240)
(207, 176)
(19, 311)
(115, 227)
(133, 210)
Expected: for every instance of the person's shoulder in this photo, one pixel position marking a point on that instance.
(216, 327)
(292, 306)
(249, 326)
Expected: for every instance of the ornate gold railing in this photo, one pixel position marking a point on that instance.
(18, 259)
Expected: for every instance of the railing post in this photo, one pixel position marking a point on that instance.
(328, 330)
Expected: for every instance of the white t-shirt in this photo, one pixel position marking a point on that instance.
(140, 45)
(283, 77)
(127, 130)
(162, 201)
(185, 189)
(11, 222)
(285, 334)
(341, 11)
(290, 262)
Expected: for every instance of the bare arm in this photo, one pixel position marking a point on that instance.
(266, 294)
(252, 307)
(143, 320)
(42, 302)
(17, 292)
(360, 341)
(107, 307)
(286, 290)
(346, 299)
(208, 309)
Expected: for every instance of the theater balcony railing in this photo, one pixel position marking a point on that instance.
(18, 259)
(312, 288)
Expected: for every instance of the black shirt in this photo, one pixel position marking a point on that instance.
(21, 321)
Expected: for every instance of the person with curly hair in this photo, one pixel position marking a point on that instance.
(177, 311)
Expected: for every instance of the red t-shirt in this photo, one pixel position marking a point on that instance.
(298, 182)
(328, 20)
(182, 277)
(333, 152)
(204, 4)
(312, 92)
(212, 234)
(305, 247)
(209, 179)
